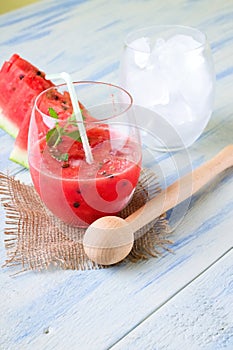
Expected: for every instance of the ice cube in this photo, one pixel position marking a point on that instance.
(182, 43)
(190, 73)
(177, 112)
(162, 56)
(148, 87)
(196, 87)
(141, 51)
(141, 75)
(175, 55)
(159, 45)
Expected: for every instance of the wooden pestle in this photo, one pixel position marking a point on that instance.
(109, 239)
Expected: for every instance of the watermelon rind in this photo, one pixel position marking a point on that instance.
(19, 156)
(7, 125)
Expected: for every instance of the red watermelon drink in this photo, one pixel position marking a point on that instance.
(73, 189)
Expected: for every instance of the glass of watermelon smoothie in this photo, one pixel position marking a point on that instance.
(76, 190)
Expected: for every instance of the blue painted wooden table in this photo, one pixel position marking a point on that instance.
(182, 300)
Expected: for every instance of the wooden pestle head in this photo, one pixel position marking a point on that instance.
(108, 240)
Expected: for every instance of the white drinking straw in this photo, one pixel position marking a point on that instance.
(77, 112)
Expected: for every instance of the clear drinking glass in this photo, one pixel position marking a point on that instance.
(169, 71)
(74, 189)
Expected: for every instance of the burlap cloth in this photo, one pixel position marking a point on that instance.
(36, 240)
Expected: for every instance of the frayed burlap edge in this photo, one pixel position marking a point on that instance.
(36, 240)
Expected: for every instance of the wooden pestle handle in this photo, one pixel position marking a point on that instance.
(181, 189)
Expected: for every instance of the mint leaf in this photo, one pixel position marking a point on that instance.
(75, 135)
(51, 137)
(82, 114)
(72, 118)
(54, 136)
(53, 113)
(63, 157)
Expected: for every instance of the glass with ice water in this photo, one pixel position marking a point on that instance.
(169, 71)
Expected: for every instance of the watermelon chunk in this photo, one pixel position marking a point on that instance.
(20, 83)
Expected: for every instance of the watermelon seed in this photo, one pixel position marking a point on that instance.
(52, 95)
(111, 176)
(38, 73)
(21, 76)
(65, 165)
(78, 191)
(76, 204)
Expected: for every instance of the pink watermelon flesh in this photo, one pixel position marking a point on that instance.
(20, 83)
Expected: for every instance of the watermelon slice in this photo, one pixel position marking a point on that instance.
(20, 84)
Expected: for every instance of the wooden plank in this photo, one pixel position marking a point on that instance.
(199, 317)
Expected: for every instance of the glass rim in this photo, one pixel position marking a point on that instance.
(87, 82)
(166, 26)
